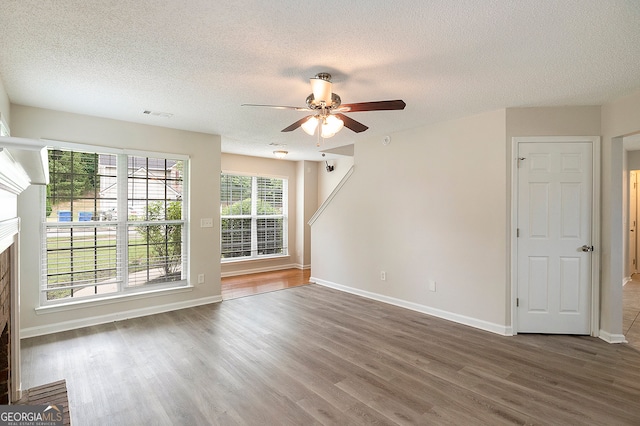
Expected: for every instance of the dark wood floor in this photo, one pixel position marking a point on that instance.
(313, 355)
(251, 284)
(631, 311)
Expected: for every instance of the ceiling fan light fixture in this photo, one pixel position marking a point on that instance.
(330, 126)
(310, 125)
(327, 110)
(280, 154)
(321, 89)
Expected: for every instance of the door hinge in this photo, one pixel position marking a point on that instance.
(517, 302)
(517, 232)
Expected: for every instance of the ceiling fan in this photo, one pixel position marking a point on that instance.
(327, 110)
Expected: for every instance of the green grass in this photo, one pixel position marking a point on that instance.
(88, 255)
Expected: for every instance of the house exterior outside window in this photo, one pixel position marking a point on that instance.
(114, 223)
(253, 212)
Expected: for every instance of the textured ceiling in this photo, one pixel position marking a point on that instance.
(201, 59)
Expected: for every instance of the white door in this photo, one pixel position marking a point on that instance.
(555, 190)
(633, 191)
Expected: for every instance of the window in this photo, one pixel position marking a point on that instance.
(114, 223)
(253, 213)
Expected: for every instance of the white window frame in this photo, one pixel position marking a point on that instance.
(121, 224)
(254, 218)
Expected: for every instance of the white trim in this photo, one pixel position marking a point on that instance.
(108, 300)
(259, 270)
(117, 316)
(612, 338)
(449, 316)
(232, 260)
(13, 177)
(595, 220)
(31, 156)
(154, 154)
(101, 149)
(331, 196)
(4, 127)
(82, 147)
(254, 174)
(8, 228)
(16, 350)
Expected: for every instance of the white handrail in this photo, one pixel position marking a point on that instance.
(326, 202)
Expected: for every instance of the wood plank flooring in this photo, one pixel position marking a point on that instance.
(312, 355)
(248, 285)
(631, 311)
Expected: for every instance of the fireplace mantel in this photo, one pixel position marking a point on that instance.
(23, 162)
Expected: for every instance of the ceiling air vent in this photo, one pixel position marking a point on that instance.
(158, 114)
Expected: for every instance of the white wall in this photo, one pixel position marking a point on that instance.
(327, 181)
(307, 204)
(429, 206)
(204, 151)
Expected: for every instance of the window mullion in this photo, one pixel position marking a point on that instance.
(122, 229)
(285, 217)
(254, 216)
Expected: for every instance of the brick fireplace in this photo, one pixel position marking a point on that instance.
(10, 387)
(5, 326)
(10, 378)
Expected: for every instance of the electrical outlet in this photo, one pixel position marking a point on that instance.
(383, 276)
(200, 278)
(432, 285)
(206, 222)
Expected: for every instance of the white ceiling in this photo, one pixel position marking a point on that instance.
(201, 59)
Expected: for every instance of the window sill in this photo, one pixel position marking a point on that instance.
(254, 259)
(69, 306)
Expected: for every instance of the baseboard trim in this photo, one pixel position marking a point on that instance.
(450, 316)
(263, 269)
(116, 316)
(612, 338)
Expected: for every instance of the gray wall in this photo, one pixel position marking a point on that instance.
(204, 151)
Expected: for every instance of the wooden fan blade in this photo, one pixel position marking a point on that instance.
(296, 124)
(352, 124)
(373, 106)
(278, 107)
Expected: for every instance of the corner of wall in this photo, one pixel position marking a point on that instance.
(5, 104)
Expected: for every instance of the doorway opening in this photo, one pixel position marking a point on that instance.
(631, 290)
(251, 284)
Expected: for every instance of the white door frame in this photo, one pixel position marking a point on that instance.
(595, 227)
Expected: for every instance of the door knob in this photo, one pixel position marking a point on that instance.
(586, 248)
